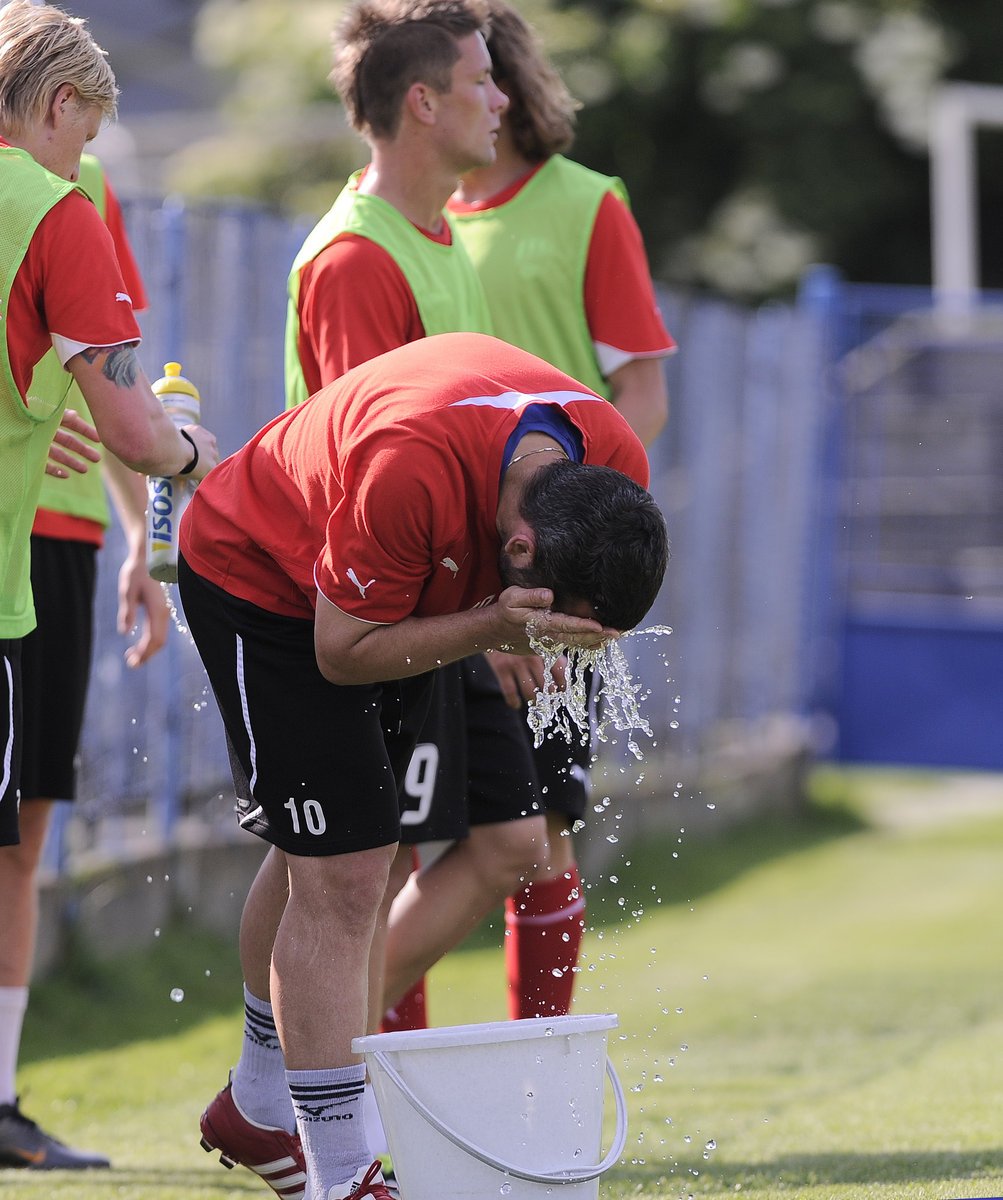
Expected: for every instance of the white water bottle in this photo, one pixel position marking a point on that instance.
(168, 498)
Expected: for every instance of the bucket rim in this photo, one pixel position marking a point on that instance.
(526, 1029)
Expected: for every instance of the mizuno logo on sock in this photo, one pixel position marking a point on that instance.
(316, 1114)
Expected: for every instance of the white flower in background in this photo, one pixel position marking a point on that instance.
(745, 69)
(640, 50)
(901, 62)
(840, 21)
(748, 248)
(590, 79)
(706, 12)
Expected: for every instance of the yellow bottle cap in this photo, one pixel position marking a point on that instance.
(174, 381)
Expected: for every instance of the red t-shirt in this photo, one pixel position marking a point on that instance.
(618, 295)
(382, 490)
(68, 289)
(345, 322)
(123, 251)
(620, 304)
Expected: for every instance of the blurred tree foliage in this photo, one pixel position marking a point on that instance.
(755, 136)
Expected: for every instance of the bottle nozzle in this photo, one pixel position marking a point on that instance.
(174, 382)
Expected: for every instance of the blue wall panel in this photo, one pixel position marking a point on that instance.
(923, 689)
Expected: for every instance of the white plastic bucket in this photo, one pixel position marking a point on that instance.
(510, 1109)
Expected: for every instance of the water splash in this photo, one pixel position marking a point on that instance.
(176, 617)
(565, 710)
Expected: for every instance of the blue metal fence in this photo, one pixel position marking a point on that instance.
(737, 474)
(912, 575)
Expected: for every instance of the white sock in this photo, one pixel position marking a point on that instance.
(375, 1133)
(13, 1003)
(328, 1106)
(259, 1078)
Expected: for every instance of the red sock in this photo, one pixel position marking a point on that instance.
(544, 924)
(409, 1012)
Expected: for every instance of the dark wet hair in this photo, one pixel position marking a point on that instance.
(600, 537)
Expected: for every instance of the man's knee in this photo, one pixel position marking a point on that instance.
(347, 887)
(510, 851)
(20, 862)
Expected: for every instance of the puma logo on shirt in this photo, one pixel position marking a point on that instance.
(363, 587)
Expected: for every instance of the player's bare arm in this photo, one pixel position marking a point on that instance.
(351, 652)
(131, 420)
(640, 394)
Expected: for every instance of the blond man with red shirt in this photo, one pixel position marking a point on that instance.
(56, 657)
(62, 289)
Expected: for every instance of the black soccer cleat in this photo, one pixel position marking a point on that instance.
(23, 1144)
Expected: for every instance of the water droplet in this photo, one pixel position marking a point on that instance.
(505, 1189)
(177, 995)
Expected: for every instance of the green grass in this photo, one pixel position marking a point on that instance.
(808, 1008)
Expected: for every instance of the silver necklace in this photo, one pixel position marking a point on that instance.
(542, 450)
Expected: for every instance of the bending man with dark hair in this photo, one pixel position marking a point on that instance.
(592, 529)
(426, 506)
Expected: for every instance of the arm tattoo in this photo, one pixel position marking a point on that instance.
(120, 364)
